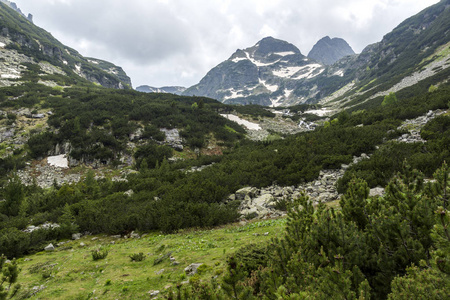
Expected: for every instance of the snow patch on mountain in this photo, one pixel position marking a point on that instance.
(59, 161)
(10, 76)
(339, 73)
(248, 124)
(2, 45)
(234, 94)
(285, 53)
(238, 59)
(286, 72)
(319, 112)
(258, 63)
(270, 87)
(310, 71)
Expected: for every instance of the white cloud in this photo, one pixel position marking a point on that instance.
(176, 42)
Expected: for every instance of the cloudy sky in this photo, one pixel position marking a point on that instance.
(176, 42)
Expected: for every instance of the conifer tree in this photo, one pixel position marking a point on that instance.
(14, 195)
(232, 281)
(353, 203)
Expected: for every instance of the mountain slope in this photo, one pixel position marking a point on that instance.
(23, 42)
(416, 50)
(328, 51)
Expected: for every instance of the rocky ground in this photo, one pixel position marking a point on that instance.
(414, 126)
(271, 201)
(277, 125)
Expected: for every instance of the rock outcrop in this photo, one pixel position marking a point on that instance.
(264, 202)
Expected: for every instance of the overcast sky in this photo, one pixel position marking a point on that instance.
(176, 42)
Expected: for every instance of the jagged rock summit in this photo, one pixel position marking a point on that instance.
(328, 51)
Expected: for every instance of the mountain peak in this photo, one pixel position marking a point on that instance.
(270, 45)
(328, 51)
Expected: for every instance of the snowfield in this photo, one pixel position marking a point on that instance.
(319, 112)
(285, 53)
(59, 161)
(249, 125)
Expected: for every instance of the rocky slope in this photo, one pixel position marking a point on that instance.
(328, 51)
(21, 41)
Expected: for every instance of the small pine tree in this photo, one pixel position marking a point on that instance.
(10, 274)
(232, 280)
(354, 201)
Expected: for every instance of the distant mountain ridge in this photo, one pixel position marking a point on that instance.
(328, 51)
(22, 42)
(177, 90)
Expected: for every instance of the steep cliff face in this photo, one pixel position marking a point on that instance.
(20, 37)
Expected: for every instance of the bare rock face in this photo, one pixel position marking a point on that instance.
(328, 51)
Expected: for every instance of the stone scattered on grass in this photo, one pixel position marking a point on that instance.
(192, 269)
(50, 247)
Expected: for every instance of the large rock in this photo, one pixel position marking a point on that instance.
(378, 191)
(247, 191)
(49, 247)
(265, 200)
(192, 269)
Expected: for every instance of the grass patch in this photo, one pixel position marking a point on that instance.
(73, 274)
